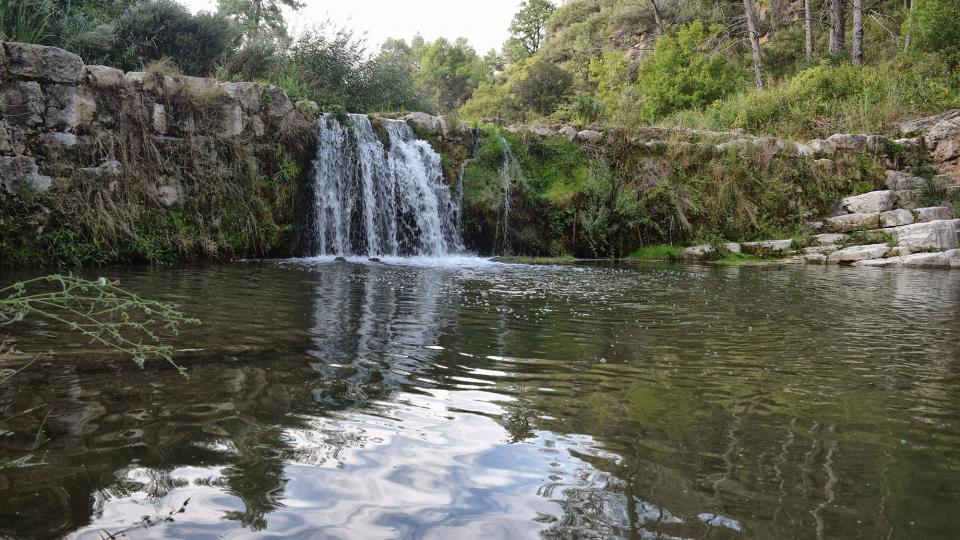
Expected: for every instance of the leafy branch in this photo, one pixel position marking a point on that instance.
(99, 310)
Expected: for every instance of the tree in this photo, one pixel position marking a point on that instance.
(543, 88)
(838, 40)
(808, 28)
(657, 19)
(858, 32)
(259, 16)
(754, 41)
(450, 72)
(935, 27)
(529, 26)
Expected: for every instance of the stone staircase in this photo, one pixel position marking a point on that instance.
(880, 228)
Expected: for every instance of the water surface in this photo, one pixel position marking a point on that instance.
(478, 400)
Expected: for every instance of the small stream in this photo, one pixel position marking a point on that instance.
(462, 398)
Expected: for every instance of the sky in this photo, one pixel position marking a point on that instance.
(484, 23)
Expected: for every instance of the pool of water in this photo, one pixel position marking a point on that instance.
(470, 399)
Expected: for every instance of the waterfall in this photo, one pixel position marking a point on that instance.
(370, 199)
(507, 182)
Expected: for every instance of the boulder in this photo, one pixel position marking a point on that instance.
(768, 247)
(421, 121)
(853, 222)
(134, 77)
(926, 260)
(900, 181)
(232, 120)
(918, 126)
(42, 62)
(104, 77)
(829, 239)
(568, 133)
(247, 94)
(896, 218)
(9, 138)
(705, 250)
(869, 203)
(22, 103)
(931, 235)
(541, 130)
(589, 136)
(933, 213)
(17, 172)
(307, 108)
(953, 257)
(107, 168)
(889, 261)
(854, 254)
(848, 143)
(943, 139)
(913, 145)
(821, 250)
(279, 105)
(198, 87)
(58, 141)
(69, 107)
(815, 258)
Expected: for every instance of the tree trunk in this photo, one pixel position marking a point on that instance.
(838, 39)
(656, 17)
(858, 32)
(808, 24)
(906, 40)
(754, 41)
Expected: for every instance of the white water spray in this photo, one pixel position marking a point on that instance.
(371, 200)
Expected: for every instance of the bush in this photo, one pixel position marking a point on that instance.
(162, 28)
(543, 87)
(683, 73)
(935, 27)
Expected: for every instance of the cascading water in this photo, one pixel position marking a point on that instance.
(371, 200)
(506, 172)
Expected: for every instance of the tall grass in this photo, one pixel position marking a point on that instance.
(27, 21)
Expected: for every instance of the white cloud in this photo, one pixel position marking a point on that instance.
(484, 23)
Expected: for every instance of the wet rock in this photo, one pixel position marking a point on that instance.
(829, 239)
(858, 253)
(589, 136)
(69, 107)
(768, 247)
(21, 172)
(42, 62)
(931, 235)
(896, 218)
(869, 203)
(104, 77)
(933, 213)
(853, 222)
(22, 103)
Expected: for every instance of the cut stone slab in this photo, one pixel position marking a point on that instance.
(858, 253)
(896, 218)
(853, 222)
(933, 213)
(869, 203)
(926, 260)
(769, 247)
(830, 239)
(931, 235)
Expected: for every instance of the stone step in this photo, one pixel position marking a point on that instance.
(932, 213)
(854, 254)
(942, 259)
(870, 203)
(829, 239)
(903, 181)
(940, 234)
(853, 222)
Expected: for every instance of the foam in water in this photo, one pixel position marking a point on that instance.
(368, 199)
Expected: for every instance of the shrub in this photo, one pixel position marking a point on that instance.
(543, 87)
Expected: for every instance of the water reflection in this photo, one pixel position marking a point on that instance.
(381, 401)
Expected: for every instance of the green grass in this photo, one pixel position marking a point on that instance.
(658, 252)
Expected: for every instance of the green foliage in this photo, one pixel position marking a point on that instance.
(683, 72)
(658, 252)
(528, 29)
(543, 87)
(28, 21)
(259, 17)
(163, 28)
(449, 72)
(935, 28)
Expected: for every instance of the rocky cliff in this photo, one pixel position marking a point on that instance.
(98, 165)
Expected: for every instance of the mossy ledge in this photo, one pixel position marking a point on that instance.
(99, 166)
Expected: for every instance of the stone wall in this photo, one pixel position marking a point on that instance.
(102, 154)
